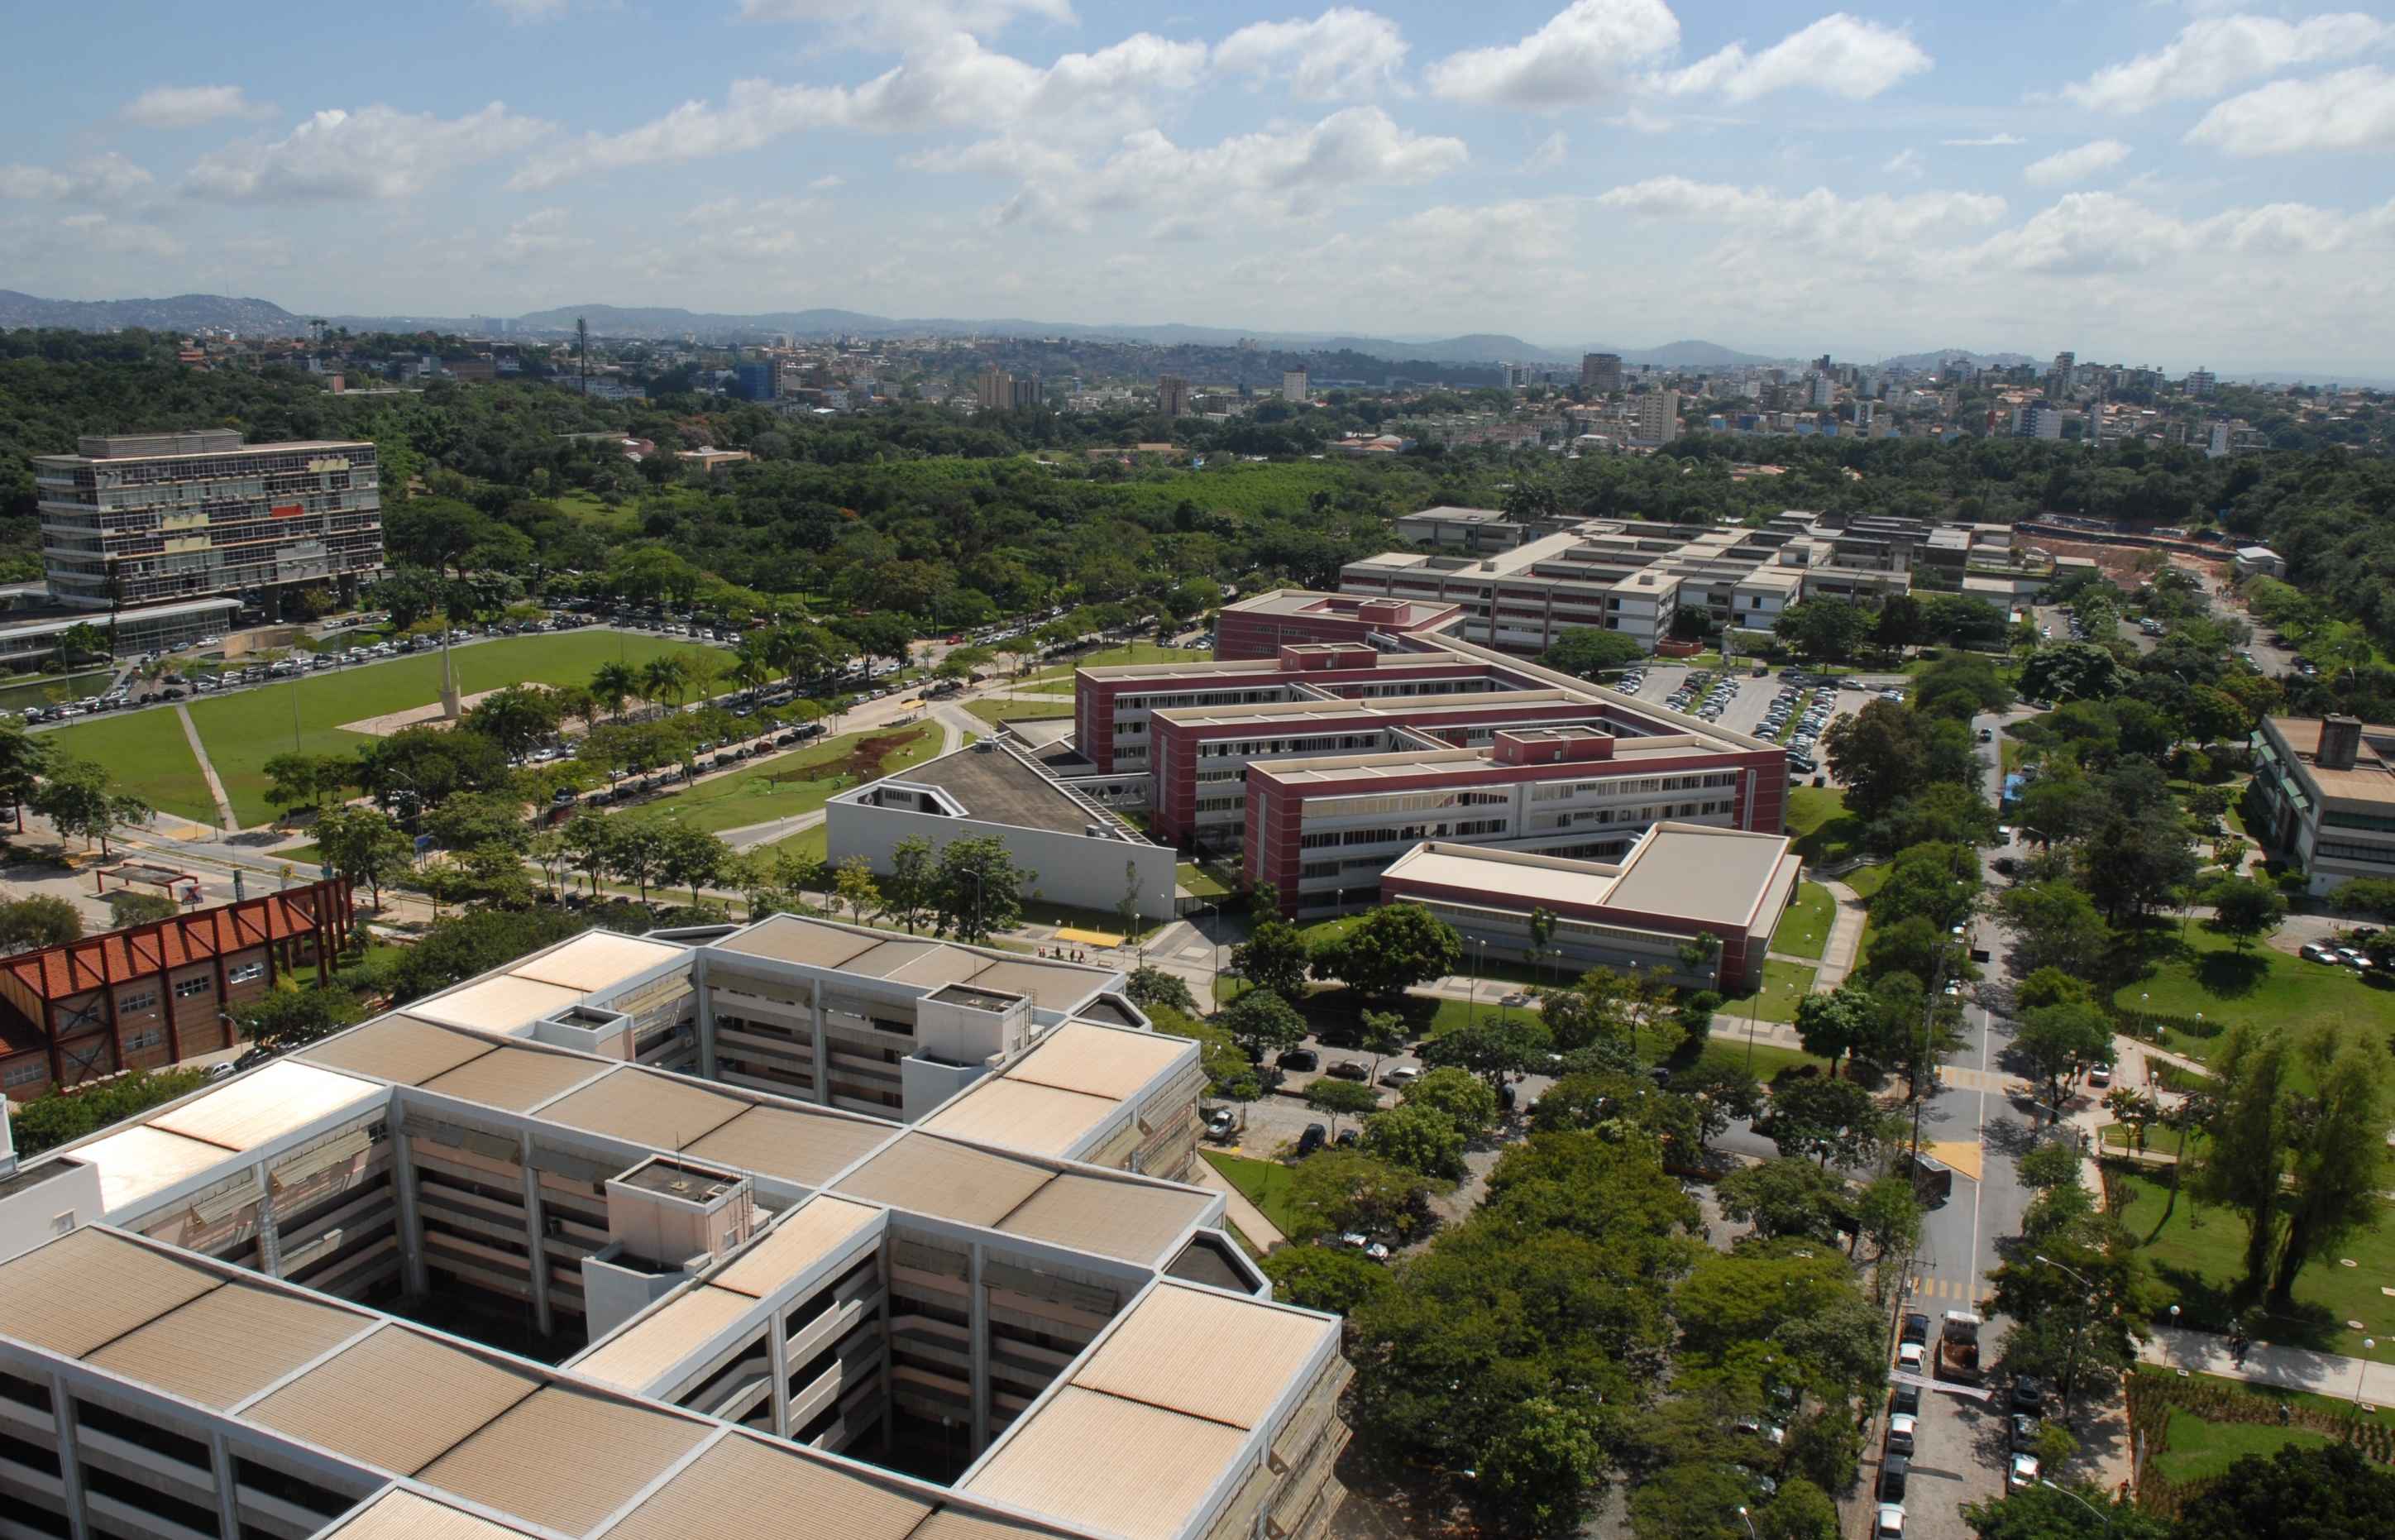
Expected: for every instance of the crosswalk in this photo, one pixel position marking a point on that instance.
(1956, 1290)
(1981, 1079)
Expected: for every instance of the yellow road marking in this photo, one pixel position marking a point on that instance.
(1964, 1155)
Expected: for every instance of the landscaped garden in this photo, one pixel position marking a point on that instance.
(800, 781)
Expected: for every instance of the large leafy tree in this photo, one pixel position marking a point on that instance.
(1881, 755)
(1273, 957)
(2338, 1156)
(83, 801)
(365, 845)
(2239, 1165)
(1418, 1138)
(1263, 1023)
(2327, 1493)
(1786, 1197)
(1391, 949)
(1586, 651)
(2074, 671)
(980, 889)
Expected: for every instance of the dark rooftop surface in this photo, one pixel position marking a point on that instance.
(998, 788)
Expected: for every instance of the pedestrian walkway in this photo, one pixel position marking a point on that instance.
(1845, 938)
(207, 771)
(1261, 1232)
(2354, 1379)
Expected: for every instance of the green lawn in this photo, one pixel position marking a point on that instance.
(812, 844)
(1201, 882)
(798, 782)
(996, 711)
(243, 730)
(1783, 985)
(16, 698)
(150, 756)
(1818, 819)
(1130, 651)
(1867, 880)
(1804, 931)
(1263, 1183)
(2195, 1449)
(2261, 986)
(2197, 1258)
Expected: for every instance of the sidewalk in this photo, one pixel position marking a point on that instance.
(1846, 941)
(2282, 1368)
(1249, 1220)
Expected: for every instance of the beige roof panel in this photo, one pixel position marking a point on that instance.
(400, 1515)
(138, 1162)
(662, 1112)
(265, 1104)
(634, 1359)
(954, 1181)
(564, 1458)
(399, 1048)
(597, 959)
(1205, 1354)
(516, 1079)
(744, 1487)
(1040, 1119)
(954, 1524)
(788, 939)
(1130, 1220)
(91, 1287)
(1051, 985)
(229, 1344)
(940, 966)
(501, 1005)
(1109, 1464)
(888, 958)
(815, 1229)
(397, 1399)
(806, 1147)
(1699, 873)
(1100, 1061)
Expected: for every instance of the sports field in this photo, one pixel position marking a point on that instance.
(244, 730)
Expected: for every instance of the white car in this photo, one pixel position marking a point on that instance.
(1400, 1076)
(1901, 1428)
(1890, 1523)
(1909, 1357)
(2023, 1472)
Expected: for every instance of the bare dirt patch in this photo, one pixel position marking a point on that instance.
(415, 716)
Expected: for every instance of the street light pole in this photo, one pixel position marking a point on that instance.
(2104, 1514)
(1750, 1525)
(2070, 1365)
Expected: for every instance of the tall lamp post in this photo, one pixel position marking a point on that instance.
(2070, 1365)
(1750, 1525)
(2104, 1514)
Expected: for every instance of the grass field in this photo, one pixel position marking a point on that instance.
(1130, 651)
(16, 698)
(1201, 882)
(797, 782)
(1263, 1183)
(1783, 985)
(2198, 1256)
(1818, 822)
(243, 730)
(1867, 880)
(2266, 988)
(1804, 931)
(811, 845)
(2195, 1448)
(150, 757)
(996, 711)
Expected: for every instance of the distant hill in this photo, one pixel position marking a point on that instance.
(1928, 362)
(181, 312)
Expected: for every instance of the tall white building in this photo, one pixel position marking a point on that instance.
(1292, 385)
(2037, 421)
(1821, 391)
(1656, 416)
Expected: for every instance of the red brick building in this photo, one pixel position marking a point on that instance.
(154, 994)
(1262, 625)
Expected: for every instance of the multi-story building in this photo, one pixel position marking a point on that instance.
(2037, 421)
(2325, 792)
(1655, 417)
(1821, 390)
(1260, 626)
(1173, 397)
(135, 519)
(1600, 372)
(527, 1259)
(1292, 385)
(2201, 382)
(994, 389)
(1025, 393)
(756, 378)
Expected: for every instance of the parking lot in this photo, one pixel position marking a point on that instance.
(1747, 703)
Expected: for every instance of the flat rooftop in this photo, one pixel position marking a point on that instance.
(995, 786)
(1297, 713)
(1688, 871)
(2372, 779)
(1052, 985)
(1333, 769)
(1332, 607)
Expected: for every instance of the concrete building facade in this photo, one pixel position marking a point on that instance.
(2324, 791)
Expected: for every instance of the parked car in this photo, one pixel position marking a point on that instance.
(1221, 1124)
(2029, 1394)
(2023, 1472)
(2024, 1431)
(1917, 1327)
(1299, 1058)
(1892, 1474)
(1354, 1069)
(1312, 1139)
(1900, 1430)
(1400, 1076)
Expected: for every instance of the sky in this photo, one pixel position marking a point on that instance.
(2182, 185)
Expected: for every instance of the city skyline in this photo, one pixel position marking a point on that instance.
(2165, 185)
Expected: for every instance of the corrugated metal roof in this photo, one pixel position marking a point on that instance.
(1101, 1061)
(888, 956)
(229, 1343)
(596, 960)
(249, 1110)
(566, 1458)
(744, 1487)
(399, 1048)
(815, 1229)
(516, 1079)
(399, 1515)
(89, 1287)
(398, 1400)
(952, 1523)
(1001, 1109)
(806, 1147)
(1205, 1354)
(137, 1161)
(954, 1181)
(501, 1004)
(1130, 1220)
(662, 1112)
(634, 1358)
(788, 939)
(1109, 1464)
(1051, 985)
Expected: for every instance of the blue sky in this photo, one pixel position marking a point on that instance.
(2176, 184)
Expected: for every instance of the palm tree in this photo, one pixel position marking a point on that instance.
(664, 679)
(751, 666)
(613, 685)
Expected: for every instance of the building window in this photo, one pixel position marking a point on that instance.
(191, 988)
(148, 1037)
(26, 1072)
(246, 973)
(140, 1000)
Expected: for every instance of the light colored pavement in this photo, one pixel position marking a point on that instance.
(225, 818)
(1839, 957)
(2282, 1368)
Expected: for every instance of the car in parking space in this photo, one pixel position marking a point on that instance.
(2029, 1394)
(1299, 1058)
(1354, 1069)
(1911, 1356)
(1770, 1433)
(1889, 1523)
(1401, 1075)
(1221, 1124)
(1893, 1473)
(1902, 1428)
(2353, 957)
(2024, 1431)
(2023, 1472)
(1312, 1139)
(1907, 1401)
(1917, 1327)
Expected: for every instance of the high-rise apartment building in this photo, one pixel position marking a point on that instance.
(1820, 389)
(1656, 417)
(1600, 371)
(2037, 421)
(134, 519)
(1025, 393)
(2200, 382)
(1172, 395)
(1292, 385)
(754, 379)
(994, 389)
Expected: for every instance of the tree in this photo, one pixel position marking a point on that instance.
(473, 819)
(2243, 1153)
(1824, 629)
(459, 948)
(2056, 925)
(1880, 755)
(2322, 1492)
(1391, 949)
(1786, 1197)
(1417, 1138)
(1586, 651)
(691, 857)
(2058, 1041)
(39, 920)
(1341, 1098)
(614, 685)
(1837, 1025)
(1263, 1023)
(1457, 1095)
(853, 885)
(2049, 1513)
(127, 907)
(1149, 987)
(1827, 1119)
(2338, 1155)
(1346, 1192)
(1273, 957)
(24, 759)
(1325, 1278)
(1719, 1089)
(82, 800)
(1938, 882)
(288, 1015)
(979, 890)
(2244, 909)
(1230, 1074)
(1381, 1033)
(1495, 1047)
(364, 845)
(1888, 1214)
(1901, 623)
(305, 780)
(1539, 1465)
(2074, 671)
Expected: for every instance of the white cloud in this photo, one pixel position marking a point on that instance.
(956, 83)
(2088, 233)
(1271, 175)
(99, 180)
(825, 183)
(1819, 216)
(916, 19)
(1550, 153)
(532, 10)
(1343, 53)
(544, 233)
(1638, 120)
(1989, 142)
(1840, 54)
(372, 152)
(188, 106)
(2350, 109)
(103, 233)
(2072, 166)
(2211, 56)
(1588, 52)
(1905, 162)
